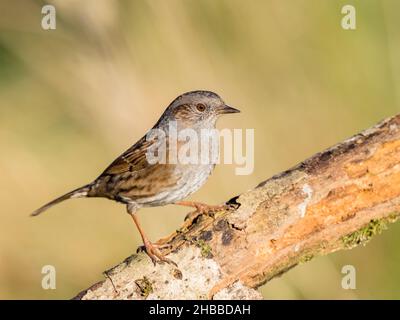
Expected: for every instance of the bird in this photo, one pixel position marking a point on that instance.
(135, 181)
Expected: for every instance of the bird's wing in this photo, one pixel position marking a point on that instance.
(132, 160)
(132, 176)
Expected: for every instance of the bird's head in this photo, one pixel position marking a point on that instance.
(197, 109)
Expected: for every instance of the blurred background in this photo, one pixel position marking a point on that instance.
(74, 98)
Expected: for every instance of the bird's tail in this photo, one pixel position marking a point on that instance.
(77, 193)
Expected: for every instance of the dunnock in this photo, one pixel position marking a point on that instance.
(134, 181)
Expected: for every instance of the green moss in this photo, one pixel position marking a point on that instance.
(204, 247)
(306, 258)
(144, 286)
(363, 235)
(358, 237)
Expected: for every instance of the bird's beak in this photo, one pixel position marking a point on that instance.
(227, 109)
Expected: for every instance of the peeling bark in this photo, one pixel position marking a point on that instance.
(335, 200)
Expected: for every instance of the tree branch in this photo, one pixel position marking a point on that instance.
(335, 200)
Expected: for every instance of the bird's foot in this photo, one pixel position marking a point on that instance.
(153, 251)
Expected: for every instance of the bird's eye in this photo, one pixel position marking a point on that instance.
(200, 107)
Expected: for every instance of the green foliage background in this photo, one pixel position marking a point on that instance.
(74, 98)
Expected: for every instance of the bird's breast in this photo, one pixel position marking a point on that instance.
(191, 178)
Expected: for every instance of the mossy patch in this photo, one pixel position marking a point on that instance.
(363, 235)
(306, 258)
(144, 286)
(205, 248)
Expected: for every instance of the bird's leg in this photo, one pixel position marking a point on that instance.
(152, 251)
(201, 208)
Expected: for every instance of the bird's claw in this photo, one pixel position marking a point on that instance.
(153, 251)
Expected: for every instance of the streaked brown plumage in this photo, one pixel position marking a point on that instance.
(132, 180)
